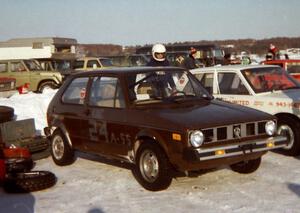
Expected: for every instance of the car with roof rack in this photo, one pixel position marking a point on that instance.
(29, 72)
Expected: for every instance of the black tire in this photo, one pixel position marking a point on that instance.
(6, 114)
(290, 127)
(61, 152)
(16, 165)
(246, 167)
(29, 181)
(158, 178)
(47, 84)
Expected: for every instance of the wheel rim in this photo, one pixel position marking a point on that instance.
(287, 131)
(149, 166)
(58, 147)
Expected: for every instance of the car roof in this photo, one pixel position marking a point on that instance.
(231, 67)
(281, 60)
(126, 70)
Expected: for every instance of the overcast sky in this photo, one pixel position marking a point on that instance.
(139, 22)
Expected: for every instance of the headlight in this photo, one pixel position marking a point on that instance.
(270, 128)
(196, 138)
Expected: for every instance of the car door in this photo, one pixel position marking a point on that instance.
(74, 111)
(19, 71)
(231, 87)
(106, 126)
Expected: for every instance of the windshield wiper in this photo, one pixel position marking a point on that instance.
(187, 97)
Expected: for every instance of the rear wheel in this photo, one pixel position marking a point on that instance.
(246, 167)
(47, 85)
(61, 152)
(152, 169)
(289, 127)
(29, 181)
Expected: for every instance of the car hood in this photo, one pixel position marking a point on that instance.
(292, 94)
(214, 113)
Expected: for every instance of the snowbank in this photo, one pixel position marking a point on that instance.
(31, 105)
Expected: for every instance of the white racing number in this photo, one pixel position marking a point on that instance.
(98, 132)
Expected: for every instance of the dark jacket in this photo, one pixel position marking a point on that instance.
(154, 63)
(190, 62)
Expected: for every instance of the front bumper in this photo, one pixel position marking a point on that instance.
(248, 147)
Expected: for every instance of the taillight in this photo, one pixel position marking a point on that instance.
(17, 152)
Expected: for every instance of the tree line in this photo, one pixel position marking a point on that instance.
(258, 46)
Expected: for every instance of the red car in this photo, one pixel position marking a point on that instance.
(292, 66)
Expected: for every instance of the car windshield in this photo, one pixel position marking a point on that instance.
(269, 79)
(106, 62)
(33, 65)
(218, 53)
(164, 86)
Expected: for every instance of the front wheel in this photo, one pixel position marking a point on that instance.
(246, 167)
(61, 152)
(47, 85)
(289, 127)
(152, 169)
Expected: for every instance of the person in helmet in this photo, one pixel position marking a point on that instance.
(164, 85)
(158, 56)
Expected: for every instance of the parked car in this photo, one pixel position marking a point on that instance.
(292, 66)
(145, 117)
(264, 87)
(91, 63)
(29, 72)
(7, 87)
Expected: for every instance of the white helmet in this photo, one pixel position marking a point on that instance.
(159, 49)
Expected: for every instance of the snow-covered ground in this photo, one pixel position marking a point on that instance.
(95, 185)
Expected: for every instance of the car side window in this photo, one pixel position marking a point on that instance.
(3, 67)
(17, 67)
(78, 64)
(76, 91)
(92, 63)
(293, 68)
(230, 83)
(206, 80)
(106, 92)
